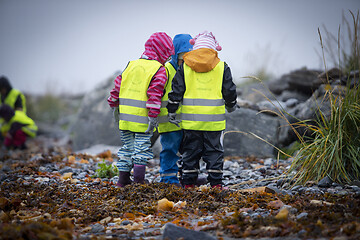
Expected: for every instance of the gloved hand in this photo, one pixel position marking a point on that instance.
(153, 123)
(231, 109)
(116, 115)
(173, 120)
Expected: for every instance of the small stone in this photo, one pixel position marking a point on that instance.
(97, 227)
(268, 162)
(283, 214)
(125, 222)
(325, 182)
(302, 215)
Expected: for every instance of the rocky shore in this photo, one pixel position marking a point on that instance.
(60, 189)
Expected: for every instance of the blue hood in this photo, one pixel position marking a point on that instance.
(181, 44)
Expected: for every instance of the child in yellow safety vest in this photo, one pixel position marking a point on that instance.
(170, 134)
(11, 96)
(136, 103)
(16, 128)
(203, 85)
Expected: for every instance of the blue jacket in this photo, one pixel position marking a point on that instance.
(181, 44)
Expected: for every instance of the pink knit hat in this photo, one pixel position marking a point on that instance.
(205, 40)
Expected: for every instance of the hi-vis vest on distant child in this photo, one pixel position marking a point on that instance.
(133, 94)
(30, 128)
(164, 124)
(203, 107)
(12, 97)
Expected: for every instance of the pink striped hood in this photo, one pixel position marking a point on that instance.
(159, 47)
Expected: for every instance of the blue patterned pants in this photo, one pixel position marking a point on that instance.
(136, 149)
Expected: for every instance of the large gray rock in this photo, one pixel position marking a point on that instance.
(174, 232)
(241, 128)
(301, 80)
(94, 122)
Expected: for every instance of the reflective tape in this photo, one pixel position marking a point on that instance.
(203, 117)
(132, 102)
(214, 171)
(190, 171)
(202, 102)
(153, 106)
(134, 118)
(163, 119)
(168, 174)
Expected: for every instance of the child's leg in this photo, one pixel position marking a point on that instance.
(125, 164)
(126, 151)
(213, 156)
(170, 143)
(8, 142)
(19, 139)
(142, 154)
(192, 152)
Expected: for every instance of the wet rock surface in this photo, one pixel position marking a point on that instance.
(52, 192)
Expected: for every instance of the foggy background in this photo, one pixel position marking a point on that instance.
(73, 45)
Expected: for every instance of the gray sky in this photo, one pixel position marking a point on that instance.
(73, 45)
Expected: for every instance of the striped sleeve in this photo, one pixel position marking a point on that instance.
(113, 100)
(155, 92)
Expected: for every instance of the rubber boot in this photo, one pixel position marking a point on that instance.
(201, 180)
(124, 179)
(139, 173)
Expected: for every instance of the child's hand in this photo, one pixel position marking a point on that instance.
(232, 108)
(116, 115)
(173, 120)
(153, 123)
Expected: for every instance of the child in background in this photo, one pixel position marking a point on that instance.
(11, 96)
(204, 87)
(136, 102)
(16, 128)
(171, 134)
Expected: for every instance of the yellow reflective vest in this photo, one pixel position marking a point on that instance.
(203, 107)
(135, 82)
(12, 97)
(164, 124)
(30, 127)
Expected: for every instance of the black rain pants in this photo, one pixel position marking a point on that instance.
(207, 145)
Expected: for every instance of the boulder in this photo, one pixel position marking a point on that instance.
(239, 138)
(94, 123)
(174, 232)
(302, 80)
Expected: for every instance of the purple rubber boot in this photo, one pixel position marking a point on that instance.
(124, 179)
(139, 173)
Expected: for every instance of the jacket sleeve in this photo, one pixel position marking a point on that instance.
(18, 104)
(178, 90)
(113, 100)
(228, 88)
(155, 92)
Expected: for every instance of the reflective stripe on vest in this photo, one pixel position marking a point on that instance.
(12, 97)
(203, 107)
(30, 128)
(133, 94)
(164, 124)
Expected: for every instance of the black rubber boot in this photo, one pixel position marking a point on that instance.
(124, 179)
(139, 173)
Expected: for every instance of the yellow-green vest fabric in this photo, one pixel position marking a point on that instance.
(135, 81)
(30, 127)
(203, 107)
(12, 97)
(164, 124)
